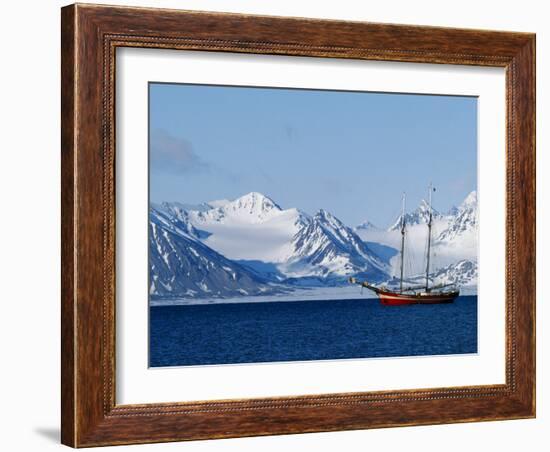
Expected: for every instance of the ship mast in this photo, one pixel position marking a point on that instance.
(431, 189)
(402, 242)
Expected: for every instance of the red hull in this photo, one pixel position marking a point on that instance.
(399, 299)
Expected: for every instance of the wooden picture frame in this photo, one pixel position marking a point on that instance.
(90, 36)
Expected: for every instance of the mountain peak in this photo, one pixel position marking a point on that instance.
(470, 200)
(418, 216)
(464, 221)
(325, 214)
(253, 194)
(424, 208)
(251, 208)
(367, 225)
(452, 211)
(325, 247)
(255, 198)
(328, 219)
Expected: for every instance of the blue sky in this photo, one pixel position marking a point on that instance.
(351, 153)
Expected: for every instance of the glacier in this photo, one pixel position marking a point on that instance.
(180, 265)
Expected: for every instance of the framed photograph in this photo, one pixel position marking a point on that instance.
(281, 225)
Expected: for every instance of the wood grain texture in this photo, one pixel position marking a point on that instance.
(90, 36)
(68, 387)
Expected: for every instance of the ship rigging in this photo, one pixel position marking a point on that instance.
(421, 294)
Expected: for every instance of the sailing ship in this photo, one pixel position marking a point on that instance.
(422, 294)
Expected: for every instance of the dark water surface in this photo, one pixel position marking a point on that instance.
(308, 330)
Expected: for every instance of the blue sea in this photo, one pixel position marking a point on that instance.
(308, 330)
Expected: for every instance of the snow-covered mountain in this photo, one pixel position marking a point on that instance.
(252, 246)
(181, 266)
(463, 222)
(174, 218)
(366, 226)
(461, 273)
(454, 236)
(325, 247)
(459, 239)
(252, 227)
(416, 237)
(251, 208)
(419, 216)
(452, 212)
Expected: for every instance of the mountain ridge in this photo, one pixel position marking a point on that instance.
(326, 247)
(298, 249)
(182, 266)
